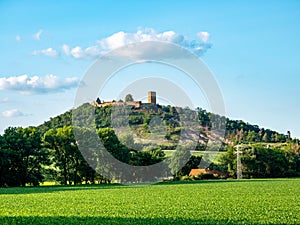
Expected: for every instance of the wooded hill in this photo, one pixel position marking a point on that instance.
(236, 131)
(50, 151)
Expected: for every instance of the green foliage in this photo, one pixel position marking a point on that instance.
(192, 163)
(147, 156)
(65, 154)
(229, 160)
(100, 117)
(207, 176)
(113, 145)
(263, 161)
(178, 160)
(128, 98)
(240, 131)
(186, 178)
(27, 155)
(21, 157)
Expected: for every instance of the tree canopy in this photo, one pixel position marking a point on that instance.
(129, 98)
(51, 151)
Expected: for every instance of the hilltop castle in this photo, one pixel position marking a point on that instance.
(135, 104)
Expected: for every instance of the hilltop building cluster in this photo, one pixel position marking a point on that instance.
(135, 104)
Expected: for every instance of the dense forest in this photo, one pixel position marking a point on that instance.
(50, 151)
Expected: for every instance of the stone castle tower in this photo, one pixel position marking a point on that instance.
(152, 97)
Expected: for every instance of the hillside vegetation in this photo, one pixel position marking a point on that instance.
(236, 130)
(139, 137)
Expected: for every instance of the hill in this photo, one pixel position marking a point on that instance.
(143, 140)
(235, 131)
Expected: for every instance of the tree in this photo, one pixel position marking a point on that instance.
(178, 160)
(5, 163)
(129, 98)
(111, 147)
(261, 161)
(88, 142)
(193, 163)
(228, 160)
(25, 157)
(147, 156)
(66, 156)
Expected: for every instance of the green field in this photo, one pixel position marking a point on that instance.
(269, 201)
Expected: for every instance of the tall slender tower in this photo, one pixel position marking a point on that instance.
(152, 97)
(239, 174)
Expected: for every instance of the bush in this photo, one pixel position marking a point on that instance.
(186, 177)
(291, 173)
(208, 176)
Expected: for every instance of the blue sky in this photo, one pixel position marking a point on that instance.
(252, 47)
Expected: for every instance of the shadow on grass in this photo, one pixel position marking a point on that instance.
(261, 180)
(110, 220)
(59, 188)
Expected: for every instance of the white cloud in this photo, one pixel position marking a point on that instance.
(116, 40)
(37, 35)
(12, 113)
(203, 36)
(66, 49)
(47, 52)
(35, 84)
(18, 38)
(3, 100)
(78, 53)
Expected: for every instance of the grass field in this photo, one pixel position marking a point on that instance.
(270, 201)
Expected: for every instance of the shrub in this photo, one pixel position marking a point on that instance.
(186, 177)
(208, 176)
(291, 173)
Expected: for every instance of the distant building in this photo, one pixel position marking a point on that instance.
(152, 97)
(197, 172)
(135, 104)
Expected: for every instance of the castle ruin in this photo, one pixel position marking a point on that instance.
(135, 104)
(152, 97)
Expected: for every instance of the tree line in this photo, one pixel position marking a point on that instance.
(29, 157)
(263, 160)
(50, 151)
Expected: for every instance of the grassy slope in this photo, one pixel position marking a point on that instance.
(207, 202)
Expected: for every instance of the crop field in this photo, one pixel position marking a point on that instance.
(267, 201)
